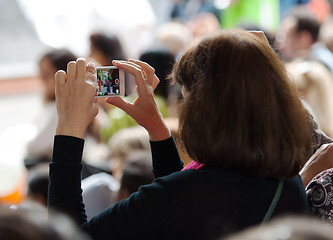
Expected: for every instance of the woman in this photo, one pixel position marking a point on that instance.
(241, 120)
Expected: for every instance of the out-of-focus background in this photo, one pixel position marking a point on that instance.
(151, 30)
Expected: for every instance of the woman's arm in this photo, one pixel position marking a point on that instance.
(65, 192)
(75, 93)
(144, 111)
(166, 159)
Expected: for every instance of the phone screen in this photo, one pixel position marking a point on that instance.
(108, 82)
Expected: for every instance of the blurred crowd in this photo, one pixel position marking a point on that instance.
(117, 158)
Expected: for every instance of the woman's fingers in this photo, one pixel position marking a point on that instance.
(135, 71)
(91, 77)
(81, 68)
(144, 109)
(71, 71)
(60, 79)
(75, 98)
(152, 79)
(91, 68)
(148, 70)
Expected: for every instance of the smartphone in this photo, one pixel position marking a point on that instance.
(110, 82)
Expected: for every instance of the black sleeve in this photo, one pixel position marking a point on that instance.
(141, 211)
(165, 156)
(65, 192)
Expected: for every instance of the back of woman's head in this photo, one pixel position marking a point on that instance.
(240, 111)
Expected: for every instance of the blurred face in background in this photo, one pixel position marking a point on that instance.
(287, 39)
(47, 71)
(98, 56)
(202, 25)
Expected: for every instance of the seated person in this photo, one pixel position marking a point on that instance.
(136, 173)
(38, 182)
(101, 190)
(320, 161)
(243, 122)
(314, 83)
(288, 228)
(319, 192)
(123, 144)
(32, 223)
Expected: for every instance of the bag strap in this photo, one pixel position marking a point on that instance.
(273, 203)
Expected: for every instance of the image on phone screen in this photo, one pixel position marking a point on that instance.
(108, 82)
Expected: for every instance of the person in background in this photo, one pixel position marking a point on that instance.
(38, 183)
(39, 149)
(174, 36)
(326, 34)
(202, 25)
(162, 60)
(123, 144)
(309, 62)
(298, 38)
(183, 10)
(100, 190)
(136, 173)
(287, 228)
(105, 48)
(27, 224)
(314, 84)
(320, 189)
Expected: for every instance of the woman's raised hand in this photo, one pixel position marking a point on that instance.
(144, 109)
(75, 91)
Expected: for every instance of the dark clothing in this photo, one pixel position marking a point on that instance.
(190, 204)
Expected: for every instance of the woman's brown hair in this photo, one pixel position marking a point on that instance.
(241, 112)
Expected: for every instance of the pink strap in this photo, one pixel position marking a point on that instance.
(193, 165)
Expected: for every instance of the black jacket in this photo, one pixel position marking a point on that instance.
(190, 204)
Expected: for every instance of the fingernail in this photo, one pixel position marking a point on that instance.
(81, 59)
(117, 62)
(91, 67)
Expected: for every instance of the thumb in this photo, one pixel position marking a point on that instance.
(120, 103)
